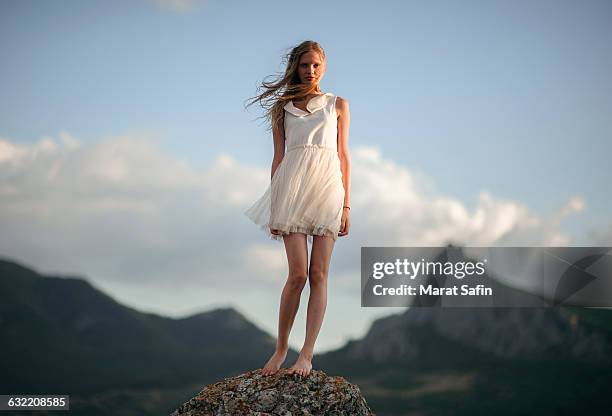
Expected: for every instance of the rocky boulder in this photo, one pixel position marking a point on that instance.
(280, 394)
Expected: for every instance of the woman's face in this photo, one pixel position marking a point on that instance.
(310, 68)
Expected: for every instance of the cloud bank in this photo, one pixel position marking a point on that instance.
(125, 208)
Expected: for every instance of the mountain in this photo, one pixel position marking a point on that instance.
(527, 333)
(482, 360)
(61, 335)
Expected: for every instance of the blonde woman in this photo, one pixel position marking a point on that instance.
(308, 200)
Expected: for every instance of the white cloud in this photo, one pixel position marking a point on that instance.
(393, 205)
(123, 208)
(268, 262)
(118, 208)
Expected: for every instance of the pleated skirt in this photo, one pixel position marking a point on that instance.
(305, 195)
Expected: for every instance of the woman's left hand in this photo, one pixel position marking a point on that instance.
(345, 222)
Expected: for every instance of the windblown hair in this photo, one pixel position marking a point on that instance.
(287, 86)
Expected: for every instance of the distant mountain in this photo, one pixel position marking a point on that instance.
(482, 360)
(527, 333)
(507, 332)
(60, 334)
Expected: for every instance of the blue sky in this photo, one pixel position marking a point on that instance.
(449, 101)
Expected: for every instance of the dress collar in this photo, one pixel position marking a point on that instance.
(315, 104)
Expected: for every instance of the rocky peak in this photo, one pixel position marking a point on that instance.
(280, 394)
(505, 332)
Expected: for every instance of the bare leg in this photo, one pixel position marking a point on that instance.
(320, 257)
(297, 257)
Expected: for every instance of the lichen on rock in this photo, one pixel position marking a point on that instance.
(280, 394)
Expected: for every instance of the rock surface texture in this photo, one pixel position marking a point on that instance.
(280, 394)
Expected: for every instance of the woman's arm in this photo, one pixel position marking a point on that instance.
(278, 133)
(344, 120)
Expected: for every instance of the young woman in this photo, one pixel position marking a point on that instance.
(308, 200)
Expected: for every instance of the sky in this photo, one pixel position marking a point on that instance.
(128, 156)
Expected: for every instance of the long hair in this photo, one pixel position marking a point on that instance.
(287, 86)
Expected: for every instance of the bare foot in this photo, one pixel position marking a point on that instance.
(302, 366)
(274, 362)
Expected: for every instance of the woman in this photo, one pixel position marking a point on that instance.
(308, 200)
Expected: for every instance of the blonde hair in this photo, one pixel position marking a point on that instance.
(287, 86)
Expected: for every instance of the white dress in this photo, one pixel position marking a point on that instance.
(306, 194)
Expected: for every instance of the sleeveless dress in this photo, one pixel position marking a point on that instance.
(306, 193)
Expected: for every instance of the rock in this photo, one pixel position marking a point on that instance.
(280, 394)
(506, 332)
